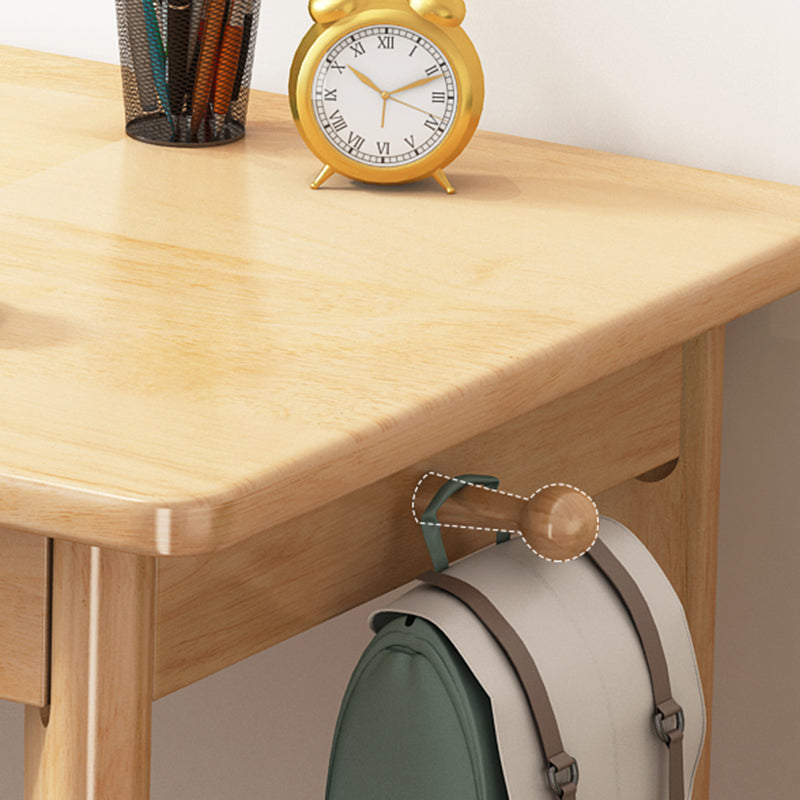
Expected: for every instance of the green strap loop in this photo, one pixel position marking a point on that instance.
(431, 527)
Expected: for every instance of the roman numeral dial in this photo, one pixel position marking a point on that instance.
(384, 96)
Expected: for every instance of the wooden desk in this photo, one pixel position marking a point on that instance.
(219, 387)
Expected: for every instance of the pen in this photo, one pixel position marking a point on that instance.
(158, 62)
(247, 30)
(198, 13)
(196, 36)
(178, 19)
(141, 66)
(229, 58)
(212, 29)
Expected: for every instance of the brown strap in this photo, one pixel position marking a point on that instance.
(523, 664)
(665, 707)
(542, 710)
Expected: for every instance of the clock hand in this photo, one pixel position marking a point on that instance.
(364, 79)
(388, 95)
(414, 85)
(384, 95)
(416, 108)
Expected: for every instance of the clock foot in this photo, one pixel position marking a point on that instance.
(324, 174)
(441, 179)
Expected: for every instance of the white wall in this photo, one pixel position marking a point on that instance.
(711, 84)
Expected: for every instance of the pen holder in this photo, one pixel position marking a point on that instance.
(186, 68)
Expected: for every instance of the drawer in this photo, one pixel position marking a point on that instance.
(24, 617)
(216, 609)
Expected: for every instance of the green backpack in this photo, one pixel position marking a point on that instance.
(417, 724)
(414, 722)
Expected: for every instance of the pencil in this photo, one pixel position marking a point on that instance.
(229, 59)
(212, 30)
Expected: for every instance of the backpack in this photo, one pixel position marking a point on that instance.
(508, 677)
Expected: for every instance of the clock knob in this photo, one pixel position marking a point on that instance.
(448, 13)
(326, 11)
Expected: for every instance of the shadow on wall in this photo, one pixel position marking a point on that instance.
(758, 601)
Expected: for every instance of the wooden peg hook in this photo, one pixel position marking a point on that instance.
(559, 521)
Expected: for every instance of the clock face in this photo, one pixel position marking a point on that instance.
(384, 96)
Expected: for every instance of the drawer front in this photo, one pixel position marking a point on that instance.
(24, 617)
(216, 609)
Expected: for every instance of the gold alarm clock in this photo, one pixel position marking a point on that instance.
(386, 91)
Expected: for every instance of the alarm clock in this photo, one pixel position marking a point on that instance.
(386, 91)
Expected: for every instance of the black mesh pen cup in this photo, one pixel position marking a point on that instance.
(186, 68)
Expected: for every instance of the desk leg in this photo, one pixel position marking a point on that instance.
(677, 517)
(96, 743)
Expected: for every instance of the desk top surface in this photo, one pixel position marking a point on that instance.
(185, 333)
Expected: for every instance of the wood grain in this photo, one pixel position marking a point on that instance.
(96, 743)
(677, 518)
(24, 617)
(74, 93)
(217, 609)
(176, 374)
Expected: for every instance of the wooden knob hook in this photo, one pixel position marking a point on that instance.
(559, 522)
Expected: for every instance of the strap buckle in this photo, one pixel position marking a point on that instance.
(667, 710)
(559, 765)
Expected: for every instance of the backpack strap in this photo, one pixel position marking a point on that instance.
(432, 529)
(665, 706)
(558, 761)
